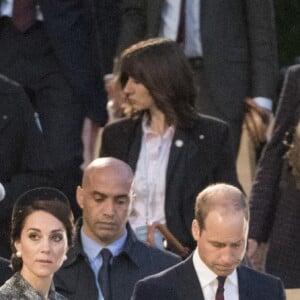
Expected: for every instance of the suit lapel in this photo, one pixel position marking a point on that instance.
(186, 144)
(179, 143)
(245, 291)
(188, 282)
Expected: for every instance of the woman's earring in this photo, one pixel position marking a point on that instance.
(65, 257)
(18, 254)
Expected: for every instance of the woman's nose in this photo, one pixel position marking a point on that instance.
(128, 87)
(45, 245)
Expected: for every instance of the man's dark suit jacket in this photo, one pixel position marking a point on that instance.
(23, 156)
(239, 46)
(181, 283)
(5, 271)
(107, 15)
(76, 280)
(69, 28)
(287, 19)
(205, 156)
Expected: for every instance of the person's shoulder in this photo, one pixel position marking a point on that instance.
(59, 296)
(121, 127)
(166, 275)
(162, 285)
(4, 261)
(146, 256)
(121, 130)
(13, 98)
(8, 289)
(260, 285)
(9, 86)
(293, 72)
(294, 69)
(125, 121)
(156, 255)
(205, 126)
(264, 279)
(203, 119)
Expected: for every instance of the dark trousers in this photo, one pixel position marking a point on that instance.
(29, 59)
(206, 105)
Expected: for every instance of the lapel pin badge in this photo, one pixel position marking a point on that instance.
(179, 143)
(201, 137)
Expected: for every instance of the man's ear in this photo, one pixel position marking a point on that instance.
(195, 230)
(79, 196)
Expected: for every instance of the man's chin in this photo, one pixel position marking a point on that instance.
(224, 271)
(105, 239)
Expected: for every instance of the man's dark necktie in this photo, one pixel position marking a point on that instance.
(181, 26)
(220, 289)
(24, 14)
(104, 274)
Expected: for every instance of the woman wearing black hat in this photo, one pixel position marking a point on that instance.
(42, 231)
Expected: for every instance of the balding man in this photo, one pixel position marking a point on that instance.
(104, 234)
(213, 271)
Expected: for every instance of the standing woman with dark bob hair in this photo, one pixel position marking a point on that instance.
(174, 151)
(41, 232)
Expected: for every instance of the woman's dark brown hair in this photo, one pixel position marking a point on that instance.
(161, 66)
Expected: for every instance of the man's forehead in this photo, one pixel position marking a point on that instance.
(105, 177)
(104, 174)
(223, 221)
(110, 193)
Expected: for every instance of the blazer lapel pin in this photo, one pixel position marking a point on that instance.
(201, 137)
(179, 143)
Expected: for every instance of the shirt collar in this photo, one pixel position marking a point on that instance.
(147, 129)
(205, 275)
(92, 249)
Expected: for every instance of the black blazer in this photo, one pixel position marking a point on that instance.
(181, 282)
(205, 157)
(239, 46)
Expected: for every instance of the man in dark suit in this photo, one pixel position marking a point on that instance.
(231, 46)
(23, 156)
(5, 271)
(104, 200)
(220, 228)
(287, 27)
(107, 18)
(52, 59)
